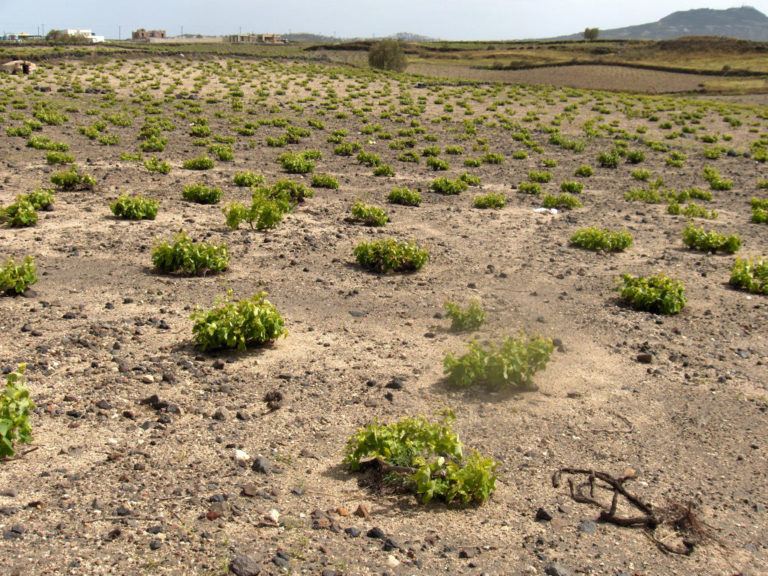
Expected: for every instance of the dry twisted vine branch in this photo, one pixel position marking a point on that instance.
(681, 518)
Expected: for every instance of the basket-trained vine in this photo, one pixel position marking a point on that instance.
(248, 322)
(423, 457)
(190, 258)
(390, 255)
(15, 277)
(659, 294)
(750, 275)
(15, 408)
(134, 208)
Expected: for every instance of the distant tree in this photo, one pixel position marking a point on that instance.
(591, 33)
(61, 37)
(387, 54)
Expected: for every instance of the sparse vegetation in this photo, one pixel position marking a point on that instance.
(598, 239)
(390, 255)
(658, 294)
(16, 278)
(750, 275)
(465, 320)
(190, 258)
(134, 208)
(201, 194)
(699, 239)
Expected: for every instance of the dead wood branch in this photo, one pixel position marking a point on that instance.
(679, 518)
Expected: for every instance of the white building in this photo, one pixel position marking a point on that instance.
(86, 34)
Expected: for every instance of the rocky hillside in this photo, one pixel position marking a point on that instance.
(746, 23)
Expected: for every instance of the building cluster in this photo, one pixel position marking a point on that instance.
(88, 34)
(142, 34)
(254, 39)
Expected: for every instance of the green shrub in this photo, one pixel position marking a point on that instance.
(249, 179)
(40, 198)
(584, 171)
(648, 195)
(641, 174)
(763, 184)
(676, 159)
(368, 158)
(759, 215)
(16, 278)
(222, 151)
(266, 210)
(201, 194)
(250, 322)
(437, 164)
(409, 156)
(425, 458)
(692, 210)
(658, 294)
(454, 150)
(59, 158)
(635, 156)
(189, 258)
(199, 163)
(699, 239)
(347, 149)
(45, 143)
(549, 162)
(155, 165)
(296, 163)
(572, 187)
(609, 159)
(324, 181)
(470, 179)
(490, 200)
(529, 188)
(561, 201)
(492, 158)
(541, 177)
(465, 320)
(134, 208)
(597, 239)
(291, 191)
(72, 180)
(520, 155)
(15, 407)
(472, 162)
(384, 170)
(404, 196)
(20, 214)
(750, 275)
(431, 151)
(153, 144)
(716, 182)
(390, 255)
(387, 54)
(448, 187)
(510, 364)
(369, 215)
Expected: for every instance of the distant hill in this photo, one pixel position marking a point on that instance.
(745, 23)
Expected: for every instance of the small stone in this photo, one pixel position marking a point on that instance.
(468, 552)
(645, 358)
(392, 562)
(341, 511)
(261, 465)
(241, 458)
(353, 532)
(629, 473)
(395, 384)
(555, 569)
(331, 572)
(588, 527)
(148, 379)
(9, 492)
(376, 532)
(245, 565)
(272, 516)
(103, 405)
(363, 510)
(250, 490)
(155, 543)
(219, 364)
(390, 544)
(221, 414)
(543, 515)
(273, 399)
(124, 510)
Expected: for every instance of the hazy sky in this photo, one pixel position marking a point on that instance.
(448, 19)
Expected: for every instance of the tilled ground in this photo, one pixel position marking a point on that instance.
(133, 469)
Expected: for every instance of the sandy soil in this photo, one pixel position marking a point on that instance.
(113, 486)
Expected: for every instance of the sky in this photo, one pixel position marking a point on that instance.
(440, 19)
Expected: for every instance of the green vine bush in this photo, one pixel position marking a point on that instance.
(465, 320)
(189, 258)
(510, 364)
(249, 179)
(750, 275)
(155, 165)
(16, 278)
(198, 163)
(72, 180)
(448, 187)
(659, 294)
(266, 210)
(490, 200)
(425, 458)
(134, 208)
(597, 239)
(201, 194)
(404, 196)
(699, 239)
(250, 322)
(390, 255)
(325, 181)
(369, 215)
(15, 407)
(561, 201)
